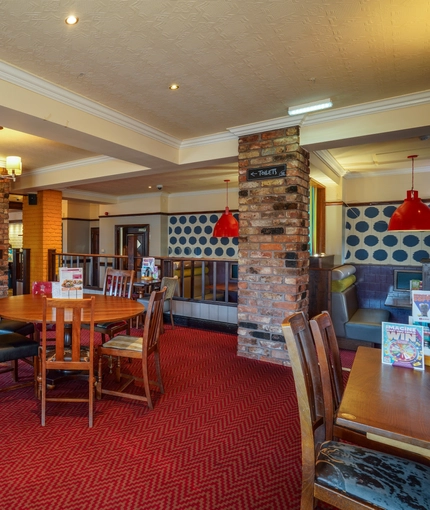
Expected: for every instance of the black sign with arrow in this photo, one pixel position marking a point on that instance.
(269, 172)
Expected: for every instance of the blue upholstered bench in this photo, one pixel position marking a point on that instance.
(351, 322)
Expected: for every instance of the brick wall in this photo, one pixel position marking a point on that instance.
(4, 236)
(273, 242)
(42, 230)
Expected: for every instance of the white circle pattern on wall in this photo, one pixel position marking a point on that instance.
(368, 241)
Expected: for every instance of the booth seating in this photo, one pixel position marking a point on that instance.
(353, 325)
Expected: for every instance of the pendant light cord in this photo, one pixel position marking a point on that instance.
(413, 171)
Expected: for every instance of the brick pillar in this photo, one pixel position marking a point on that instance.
(273, 242)
(42, 230)
(4, 236)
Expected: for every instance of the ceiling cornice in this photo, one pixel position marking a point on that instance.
(37, 85)
(47, 89)
(267, 125)
(71, 164)
(373, 107)
(326, 157)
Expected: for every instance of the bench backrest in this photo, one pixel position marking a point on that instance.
(343, 306)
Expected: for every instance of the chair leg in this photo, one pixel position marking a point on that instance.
(99, 380)
(118, 370)
(43, 395)
(171, 317)
(146, 382)
(91, 383)
(158, 369)
(36, 374)
(14, 364)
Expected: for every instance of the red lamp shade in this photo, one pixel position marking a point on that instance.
(413, 214)
(226, 226)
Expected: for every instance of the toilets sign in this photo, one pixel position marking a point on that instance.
(270, 172)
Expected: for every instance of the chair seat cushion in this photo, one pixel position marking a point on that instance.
(109, 325)
(132, 343)
(366, 324)
(84, 355)
(15, 346)
(10, 326)
(383, 480)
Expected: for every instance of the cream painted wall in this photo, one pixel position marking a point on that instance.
(335, 232)
(378, 188)
(157, 232)
(203, 202)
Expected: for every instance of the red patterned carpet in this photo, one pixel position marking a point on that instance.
(225, 435)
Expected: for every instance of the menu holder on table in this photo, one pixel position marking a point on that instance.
(403, 345)
(70, 284)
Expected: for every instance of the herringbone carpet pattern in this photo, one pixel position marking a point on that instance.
(225, 435)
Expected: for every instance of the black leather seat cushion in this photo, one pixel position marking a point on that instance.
(10, 326)
(14, 346)
(384, 480)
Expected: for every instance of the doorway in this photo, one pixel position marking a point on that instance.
(133, 241)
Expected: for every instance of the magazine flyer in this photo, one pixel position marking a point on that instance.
(403, 345)
(70, 284)
(426, 326)
(420, 305)
(148, 267)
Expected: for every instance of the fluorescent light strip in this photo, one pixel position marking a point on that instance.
(310, 107)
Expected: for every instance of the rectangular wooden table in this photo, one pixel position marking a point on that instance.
(390, 404)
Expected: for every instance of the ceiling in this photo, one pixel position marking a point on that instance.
(236, 63)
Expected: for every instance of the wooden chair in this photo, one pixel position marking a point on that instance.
(117, 282)
(322, 328)
(14, 347)
(123, 346)
(75, 359)
(343, 475)
(170, 282)
(326, 345)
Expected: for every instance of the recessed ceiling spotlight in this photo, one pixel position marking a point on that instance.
(71, 20)
(310, 107)
(174, 86)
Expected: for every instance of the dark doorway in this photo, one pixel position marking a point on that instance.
(133, 241)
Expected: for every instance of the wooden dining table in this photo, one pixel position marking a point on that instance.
(390, 404)
(28, 308)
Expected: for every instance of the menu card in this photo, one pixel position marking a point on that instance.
(420, 305)
(70, 284)
(403, 345)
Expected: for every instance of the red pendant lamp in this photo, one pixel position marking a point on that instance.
(227, 225)
(413, 214)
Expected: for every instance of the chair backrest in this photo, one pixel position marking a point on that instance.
(118, 282)
(69, 314)
(170, 282)
(153, 319)
(315, 408)
(324, 335)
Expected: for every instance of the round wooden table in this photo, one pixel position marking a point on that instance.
(28, 308)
